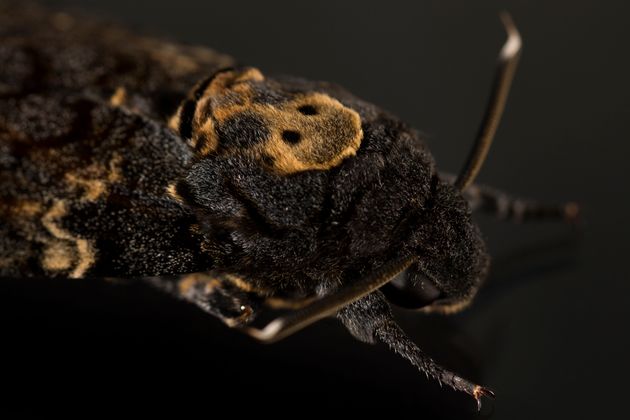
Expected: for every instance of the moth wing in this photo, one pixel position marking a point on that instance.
(82, 190)
(47, 51)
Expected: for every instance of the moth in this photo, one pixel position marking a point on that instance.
(123, 156)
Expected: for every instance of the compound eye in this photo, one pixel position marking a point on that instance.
(411, 290)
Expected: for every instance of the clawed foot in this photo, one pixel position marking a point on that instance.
(480, 391)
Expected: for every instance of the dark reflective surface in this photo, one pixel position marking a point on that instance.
(548, 334)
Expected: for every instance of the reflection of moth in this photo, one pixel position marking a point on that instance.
(123, 156)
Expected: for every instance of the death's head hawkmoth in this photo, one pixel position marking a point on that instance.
(127, 157)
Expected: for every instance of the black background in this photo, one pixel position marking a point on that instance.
(548, 334)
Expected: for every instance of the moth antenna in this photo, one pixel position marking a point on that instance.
(328, 305)
(506, 67)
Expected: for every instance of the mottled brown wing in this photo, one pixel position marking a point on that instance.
(82, 191)
(45, 51)
(85, 154)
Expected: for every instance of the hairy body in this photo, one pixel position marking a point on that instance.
(125, 156)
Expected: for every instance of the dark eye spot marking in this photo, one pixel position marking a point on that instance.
(290, 136)
(307, 110)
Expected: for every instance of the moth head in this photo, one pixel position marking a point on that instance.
(239, 111)
(299, 186)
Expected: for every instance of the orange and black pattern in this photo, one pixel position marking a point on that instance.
(126, 156)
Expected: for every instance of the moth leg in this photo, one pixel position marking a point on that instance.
(328, 305)
(222, 295)
(506, 67)
(515, 209)
(370, 320)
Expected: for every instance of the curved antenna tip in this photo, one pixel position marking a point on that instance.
(508, 60)
(514, 42)
(507, 20)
